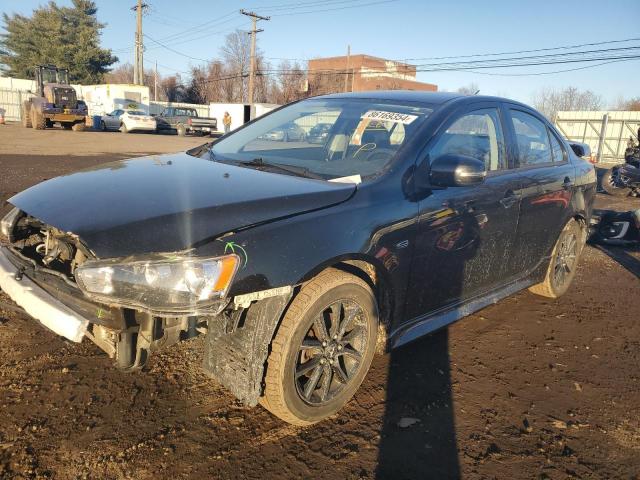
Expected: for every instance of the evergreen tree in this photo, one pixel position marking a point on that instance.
(67, 37)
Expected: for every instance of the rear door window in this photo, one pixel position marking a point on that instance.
(557, 150)
(532, 139)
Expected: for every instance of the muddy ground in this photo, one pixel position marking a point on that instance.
(527, 388)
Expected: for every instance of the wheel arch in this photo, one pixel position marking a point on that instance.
(373, 272)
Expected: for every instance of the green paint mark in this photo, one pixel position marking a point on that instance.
(100, 313)
(232, 246)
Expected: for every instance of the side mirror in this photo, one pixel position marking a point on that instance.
(581, 149)
(456, 171)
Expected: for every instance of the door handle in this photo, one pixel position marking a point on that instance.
(510, 198)
(567, 184)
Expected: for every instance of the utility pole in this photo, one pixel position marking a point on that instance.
(155, 84)
(346, 74)
(138, 67)
(252, 65)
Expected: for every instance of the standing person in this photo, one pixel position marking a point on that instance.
(226, 121)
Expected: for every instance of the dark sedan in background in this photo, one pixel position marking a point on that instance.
(319, 133)
(299, 260)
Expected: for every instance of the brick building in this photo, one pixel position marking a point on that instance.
(362, 72)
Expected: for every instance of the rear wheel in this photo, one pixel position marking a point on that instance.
(78, 127)
(67, 126)
(322, 350)
(103, 126)
(37, 119)
(610, 183)
(563, 263)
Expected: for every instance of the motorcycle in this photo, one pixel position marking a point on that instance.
(623, 180)
(616, 228)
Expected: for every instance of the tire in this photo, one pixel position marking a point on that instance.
(563, 262)
(67, 126)
(181, 130)
(123, 128)
(609, 186)
(103, 126)
(26, 117)
(318, 393)
(37, 120)
(78, 127)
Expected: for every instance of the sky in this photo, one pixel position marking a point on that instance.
(394, 29)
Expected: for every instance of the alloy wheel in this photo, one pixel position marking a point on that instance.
(565, 259)
(331, 352)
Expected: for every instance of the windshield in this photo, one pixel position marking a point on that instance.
(330, 138)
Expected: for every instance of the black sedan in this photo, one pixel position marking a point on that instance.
(319, 133)
(298, 260)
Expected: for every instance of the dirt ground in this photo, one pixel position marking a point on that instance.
(527, 388)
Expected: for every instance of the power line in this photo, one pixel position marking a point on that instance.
(533, 74)
(565, 47)
(323, 10)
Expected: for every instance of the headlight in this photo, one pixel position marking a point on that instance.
(8, 222)
(174, 284)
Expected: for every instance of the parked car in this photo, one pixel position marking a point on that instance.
(298, 263)
(318, 133)
(128, 121)
(185, 120)
(290, 132)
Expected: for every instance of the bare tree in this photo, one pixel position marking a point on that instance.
(627, 104)
(470, 89)
(236, 55)
(123, 73)
(289, 84)
(171, 88)
(550, 101)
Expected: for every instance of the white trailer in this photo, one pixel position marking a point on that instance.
(103, 99)
(241, 113)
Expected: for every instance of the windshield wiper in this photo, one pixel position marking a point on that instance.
(199, 150)
(299, 171)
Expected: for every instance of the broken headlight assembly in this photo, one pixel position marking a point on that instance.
(8, 223)
(172, 284)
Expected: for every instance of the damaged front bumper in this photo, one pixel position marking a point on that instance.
(40, 304)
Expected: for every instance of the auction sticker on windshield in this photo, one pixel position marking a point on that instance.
(395, 117)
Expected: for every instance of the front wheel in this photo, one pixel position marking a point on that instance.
(610, 183)
(563, 263)
(26, 117)
(322, 350)
(123, 128)
(182, 131)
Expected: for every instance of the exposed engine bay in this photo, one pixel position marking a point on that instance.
(49, 247)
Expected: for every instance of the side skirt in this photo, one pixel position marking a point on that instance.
(434, 321)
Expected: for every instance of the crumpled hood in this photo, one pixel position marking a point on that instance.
(170, 202)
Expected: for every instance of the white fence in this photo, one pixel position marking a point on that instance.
(156, 108)
(607, 133)
(11, 103)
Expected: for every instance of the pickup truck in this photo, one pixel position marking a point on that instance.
(185, 120)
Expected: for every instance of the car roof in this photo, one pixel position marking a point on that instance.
(427, 98)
